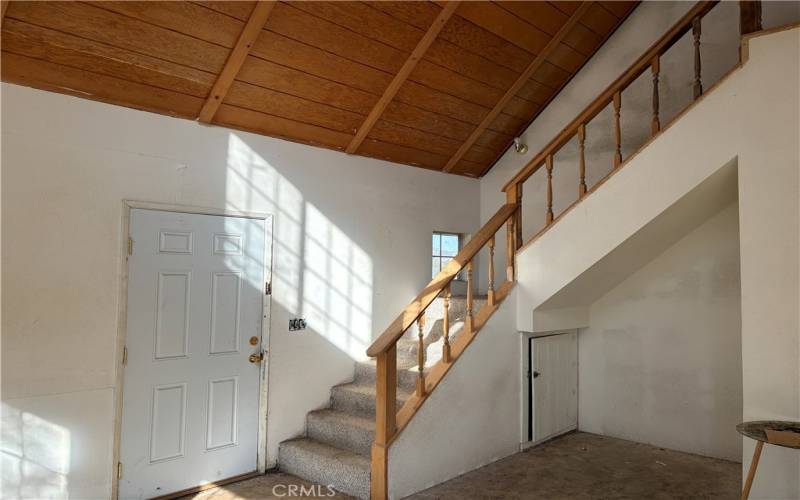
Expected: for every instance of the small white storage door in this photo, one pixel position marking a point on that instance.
(554, 366)
(191, 390)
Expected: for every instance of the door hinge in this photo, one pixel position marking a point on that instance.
(130, 246)
(124, 355)
(268, 288)
(119, 470)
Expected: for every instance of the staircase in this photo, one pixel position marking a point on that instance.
(336, 448)
(347, 444)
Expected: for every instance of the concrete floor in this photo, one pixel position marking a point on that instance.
(575, 466)
(588, 466)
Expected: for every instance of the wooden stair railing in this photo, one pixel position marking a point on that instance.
(750, 21)
(388, 421)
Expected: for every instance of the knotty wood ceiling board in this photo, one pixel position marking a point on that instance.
(316, 70)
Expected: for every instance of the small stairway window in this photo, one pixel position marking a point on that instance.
(445, 247)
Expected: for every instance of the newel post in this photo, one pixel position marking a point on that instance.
(385, 423)
(749, 17)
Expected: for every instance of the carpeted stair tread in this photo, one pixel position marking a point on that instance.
(360, 398)
(327, 465)
(406, 374)
(339, 439)
(343, 430)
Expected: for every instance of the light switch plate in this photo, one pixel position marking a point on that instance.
(297, 324)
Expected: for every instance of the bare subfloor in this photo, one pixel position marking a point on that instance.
(575, 466)
(588, 466)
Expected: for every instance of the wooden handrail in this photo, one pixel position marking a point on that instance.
(607, 96)
(417, 306)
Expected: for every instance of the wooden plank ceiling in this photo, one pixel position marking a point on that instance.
(439, 85)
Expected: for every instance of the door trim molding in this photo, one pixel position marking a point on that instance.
(122, 320)
(524, 338)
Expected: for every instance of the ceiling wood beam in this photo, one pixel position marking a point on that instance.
(419, 51)
(512, 91)
(258, 18)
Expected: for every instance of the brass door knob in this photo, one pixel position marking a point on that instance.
(256, 358)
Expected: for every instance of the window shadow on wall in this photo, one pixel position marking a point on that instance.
(318, 272)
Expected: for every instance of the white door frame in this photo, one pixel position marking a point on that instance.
(122, 320)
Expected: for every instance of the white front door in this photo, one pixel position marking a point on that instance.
(555, 385)
(191, 392)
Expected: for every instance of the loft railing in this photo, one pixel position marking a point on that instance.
(750, 21)
(388, 421)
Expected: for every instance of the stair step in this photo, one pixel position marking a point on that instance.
(339, 439)
(359, 399)
(323, 464)
(406, 374)
(343, 430)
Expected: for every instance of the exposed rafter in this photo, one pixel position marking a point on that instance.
(247, 38)
(512, 91)
(419, 51)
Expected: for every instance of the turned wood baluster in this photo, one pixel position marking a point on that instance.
(490, 298)
(518, 218)
(617, 130)
(582, 150)
(514, 234)
(698, 84)
(549, 166)
(446, 326)
(510, 249)
(421, 356)
(655, 66)
(470, 321)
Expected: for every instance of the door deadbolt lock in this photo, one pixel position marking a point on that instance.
(257, 357)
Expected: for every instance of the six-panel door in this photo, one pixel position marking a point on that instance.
(190, 392)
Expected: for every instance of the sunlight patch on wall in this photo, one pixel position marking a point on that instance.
(337, 298)
(318, 272)
(35, 456)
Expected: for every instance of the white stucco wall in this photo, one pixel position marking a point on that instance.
(471, 419)
(769, 222)
(661, 362)
(352, 237)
